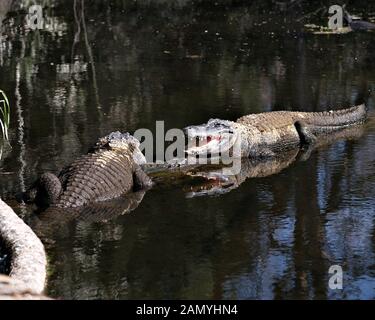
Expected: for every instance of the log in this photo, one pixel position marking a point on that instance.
(28, 258)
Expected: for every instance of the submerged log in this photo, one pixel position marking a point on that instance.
(28, 259)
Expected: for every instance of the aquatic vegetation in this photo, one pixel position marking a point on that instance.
(4, 114)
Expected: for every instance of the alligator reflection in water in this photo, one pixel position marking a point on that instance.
(45, 222)
(216, 183)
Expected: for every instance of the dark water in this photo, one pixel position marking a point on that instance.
(122, 66)
(4, 260)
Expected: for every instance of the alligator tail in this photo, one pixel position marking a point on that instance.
(337, 118)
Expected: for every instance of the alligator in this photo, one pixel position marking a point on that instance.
(110, 169)
(267, 134)
(210, 180)
(356, 24)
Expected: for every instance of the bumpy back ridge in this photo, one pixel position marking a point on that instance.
(341, 117)
(279, 119)
(98, 176)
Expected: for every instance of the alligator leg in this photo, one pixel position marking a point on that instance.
(305, 133)
(140, 179)
(45, 191)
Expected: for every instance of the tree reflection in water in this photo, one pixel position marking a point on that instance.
(137, 62)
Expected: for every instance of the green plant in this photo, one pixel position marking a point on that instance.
(4, 114)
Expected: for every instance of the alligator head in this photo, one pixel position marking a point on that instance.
(214, 137)
(122, 142)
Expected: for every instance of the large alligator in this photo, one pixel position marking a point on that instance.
(268, 134)
(209, 181)
(110, 169)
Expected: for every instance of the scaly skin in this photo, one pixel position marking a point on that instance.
(108, 171)
(267, 134)
(98, 176)
(216, 182)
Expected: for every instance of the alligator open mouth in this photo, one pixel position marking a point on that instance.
(211, 184)
(213, 138)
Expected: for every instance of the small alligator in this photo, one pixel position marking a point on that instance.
(110, 169)
(268, 134)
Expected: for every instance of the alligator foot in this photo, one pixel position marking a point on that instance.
(305, 133)
(141, 179)
(44, 191)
